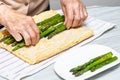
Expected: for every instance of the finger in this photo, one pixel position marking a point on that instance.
(76, 17)
(26, 37)
(85, 13)
(15, 34)
(69, 16)
(32, 34)
(65, 14)
(36, 31)
(81, 15)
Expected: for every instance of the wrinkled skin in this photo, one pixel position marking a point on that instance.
(20, 26)
(74, 11)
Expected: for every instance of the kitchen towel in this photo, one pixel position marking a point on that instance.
(13, 68)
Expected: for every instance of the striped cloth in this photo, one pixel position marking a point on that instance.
(13, 68)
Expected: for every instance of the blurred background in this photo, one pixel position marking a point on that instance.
(55, 4)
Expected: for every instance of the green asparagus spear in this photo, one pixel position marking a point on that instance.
(53, 22)
(49, 19)
(4, 38)
(9, 40)
(78, 68)
(103, 63)
(50, 22)
(49, 30)
(19, 45)
(61, 28)
(14, 43)
(87, 68)
(54, 29)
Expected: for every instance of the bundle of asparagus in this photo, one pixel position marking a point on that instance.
(48, 28)
(94, 64)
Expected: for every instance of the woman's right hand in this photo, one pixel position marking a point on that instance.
(19, 26)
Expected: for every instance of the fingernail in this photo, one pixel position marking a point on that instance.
(18, 39)
(26, 44)
(68, 27)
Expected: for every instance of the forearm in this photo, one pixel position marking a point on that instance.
(4, 9)
(6, 12)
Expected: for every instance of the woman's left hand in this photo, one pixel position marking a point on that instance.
(74, 11)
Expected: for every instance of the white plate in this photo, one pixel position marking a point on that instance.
(78, 56)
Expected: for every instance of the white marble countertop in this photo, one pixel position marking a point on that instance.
(110, 38)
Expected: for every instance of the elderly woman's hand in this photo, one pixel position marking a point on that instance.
(19, 25)
(74, 11)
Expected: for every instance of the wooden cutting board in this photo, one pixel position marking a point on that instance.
(47, 48)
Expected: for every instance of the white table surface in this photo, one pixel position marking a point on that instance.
(110, 38)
